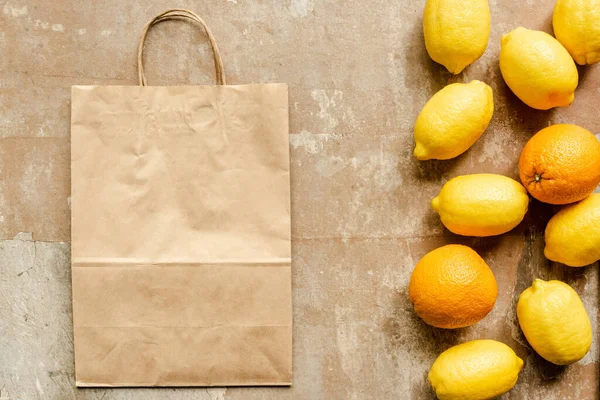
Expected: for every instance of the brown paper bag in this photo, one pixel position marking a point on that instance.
(181, 232)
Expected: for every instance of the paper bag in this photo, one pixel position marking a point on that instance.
(181, 232)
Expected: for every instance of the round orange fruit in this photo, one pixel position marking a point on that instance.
(452, 287)
(561, 164)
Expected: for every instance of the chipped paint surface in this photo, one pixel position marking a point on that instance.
(301, 8)
(359, 75)
(14, 10)
(311, 142)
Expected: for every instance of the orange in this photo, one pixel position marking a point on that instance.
(561, 164)
(452, 287)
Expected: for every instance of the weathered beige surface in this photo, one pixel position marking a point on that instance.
(358, 75)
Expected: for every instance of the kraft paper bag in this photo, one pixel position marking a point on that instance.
(181, 254)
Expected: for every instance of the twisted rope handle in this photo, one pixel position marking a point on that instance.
(172, 14)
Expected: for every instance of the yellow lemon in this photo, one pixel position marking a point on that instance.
(573, 234)
(452, 120)
(577, 26)
(538, 69)
(481, 204)
(555, 322)
(476, 370)
(456, 31)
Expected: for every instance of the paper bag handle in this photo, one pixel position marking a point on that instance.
(176, 13)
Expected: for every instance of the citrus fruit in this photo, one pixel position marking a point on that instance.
(561, 164)
(452, 120)
(538, 69)
(573, 234)
(481, 204)
(456, 31)
(452, 287)
(555, 322)
(475, 370)
(577, 27)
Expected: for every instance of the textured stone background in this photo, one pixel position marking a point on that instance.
(358, 75)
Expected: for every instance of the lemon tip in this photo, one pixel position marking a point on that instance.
(520, 363)
(547, 252)
(420, 152)
(507, 36)
(570, 98)
(455, 70)
(435, 203)
(538, 284)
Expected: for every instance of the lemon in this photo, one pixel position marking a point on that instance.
(577, 27)
(456, 31)
(538, 69)
(555, 322)
(573, 234)
(481, 204)
(452, 120)
(476, 370)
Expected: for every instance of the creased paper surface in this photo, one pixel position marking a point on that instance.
(181, 253)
